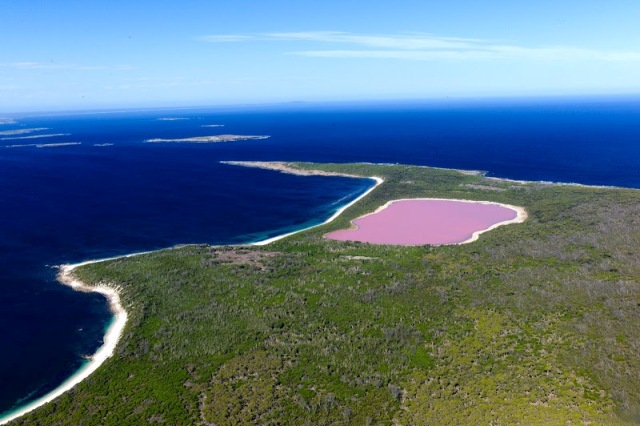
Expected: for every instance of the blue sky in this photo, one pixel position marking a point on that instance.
(72, 54)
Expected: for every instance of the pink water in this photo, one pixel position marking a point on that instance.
(420, 222)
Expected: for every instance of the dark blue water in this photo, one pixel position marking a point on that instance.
(78, 202)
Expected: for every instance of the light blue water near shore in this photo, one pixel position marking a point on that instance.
(113, 194)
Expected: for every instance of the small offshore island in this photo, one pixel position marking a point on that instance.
(532, 323)
(209, 139)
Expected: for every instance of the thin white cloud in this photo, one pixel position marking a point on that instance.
(408, 42)
(505, 53)
(423, 47)
(416, 55)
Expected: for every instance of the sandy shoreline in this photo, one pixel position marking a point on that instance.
(335, 215)
(116, 328)
(111, 337)
(285, 167)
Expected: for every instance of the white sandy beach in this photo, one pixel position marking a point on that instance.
(120, 315)
(104, 352)
(335, 215)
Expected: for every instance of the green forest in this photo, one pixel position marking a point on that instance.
(534, 323)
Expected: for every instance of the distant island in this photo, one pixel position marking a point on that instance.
(209, 139)
(44, 145)
(531, 323)
(33, 136)
(21, 131)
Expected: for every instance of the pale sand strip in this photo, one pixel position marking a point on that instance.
(521, 215)
(290, 169)
(335, 215)
(105, 351)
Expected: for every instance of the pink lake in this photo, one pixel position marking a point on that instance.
(429, 221)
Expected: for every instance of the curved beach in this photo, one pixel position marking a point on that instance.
(377, 180)
(116, 327)
(429, 221)
(105, 351)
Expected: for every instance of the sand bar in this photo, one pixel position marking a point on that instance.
(429, 221)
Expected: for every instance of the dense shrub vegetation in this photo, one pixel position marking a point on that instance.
(535, 323)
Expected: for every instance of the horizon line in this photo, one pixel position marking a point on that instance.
(337, 102)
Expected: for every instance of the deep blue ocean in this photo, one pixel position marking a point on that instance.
(112, 194)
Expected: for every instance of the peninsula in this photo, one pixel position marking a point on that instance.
(532, 323)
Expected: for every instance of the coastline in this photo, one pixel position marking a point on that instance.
(285, 167)
(115, 329)
(521, 216)
(377, 180)
(104, 352)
